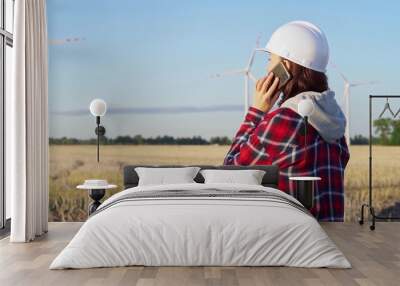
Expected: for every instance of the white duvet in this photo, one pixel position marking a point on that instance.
(200, 231)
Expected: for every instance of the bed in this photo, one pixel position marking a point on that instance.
(198, 224)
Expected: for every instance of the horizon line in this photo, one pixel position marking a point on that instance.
(151, 110)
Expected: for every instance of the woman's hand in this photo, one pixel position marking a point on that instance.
(266, 92)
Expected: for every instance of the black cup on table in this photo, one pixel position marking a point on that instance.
(305, 190)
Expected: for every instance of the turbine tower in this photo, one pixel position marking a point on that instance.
(246, 71)
(346, 98)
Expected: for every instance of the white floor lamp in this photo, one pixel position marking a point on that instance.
(98, 108)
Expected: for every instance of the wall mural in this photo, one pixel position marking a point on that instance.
(175, 82)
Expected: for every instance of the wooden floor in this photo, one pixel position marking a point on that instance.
(375, 257)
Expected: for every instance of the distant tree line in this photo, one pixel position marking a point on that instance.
(140, 140)
(359, 140)
(169, 140)
(387, 133)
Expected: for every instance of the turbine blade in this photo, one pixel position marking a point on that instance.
(246, 93)
(253, 53)
(65, 41)
(251, 59)
(337, 69)
(261, 50)
(358, 83)
(345, 99)
(252, 77)
(229, 72)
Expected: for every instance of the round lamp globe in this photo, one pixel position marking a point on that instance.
(98, 107)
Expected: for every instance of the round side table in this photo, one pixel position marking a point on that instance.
(96, 193)
(305, 190)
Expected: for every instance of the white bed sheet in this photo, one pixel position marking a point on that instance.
(200, 231)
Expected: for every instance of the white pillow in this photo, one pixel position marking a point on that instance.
(249, 177)
(163, 176)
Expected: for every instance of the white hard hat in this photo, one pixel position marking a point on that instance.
(301, 42)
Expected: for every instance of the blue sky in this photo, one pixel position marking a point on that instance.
(153, 59)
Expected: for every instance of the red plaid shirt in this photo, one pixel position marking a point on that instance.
(278, 138)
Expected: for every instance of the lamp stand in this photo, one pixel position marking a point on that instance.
(100, 131)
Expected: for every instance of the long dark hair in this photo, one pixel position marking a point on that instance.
(303, 79)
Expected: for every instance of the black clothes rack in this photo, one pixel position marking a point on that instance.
(372, 216)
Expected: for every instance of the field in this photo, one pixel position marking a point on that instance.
(70, 165)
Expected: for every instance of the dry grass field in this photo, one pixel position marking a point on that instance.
(70, 165)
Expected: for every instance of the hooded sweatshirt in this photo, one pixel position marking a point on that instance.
(327, 117)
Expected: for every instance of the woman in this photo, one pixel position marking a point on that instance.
(277, 136)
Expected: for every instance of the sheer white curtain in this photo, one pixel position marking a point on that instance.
(27, 123)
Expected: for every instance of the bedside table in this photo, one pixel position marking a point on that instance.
(305, 190)
(96, 192)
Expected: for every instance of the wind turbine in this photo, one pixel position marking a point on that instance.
(246, 71)
(346, 98)
(66, 41)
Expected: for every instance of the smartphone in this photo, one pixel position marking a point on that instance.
(282, 73)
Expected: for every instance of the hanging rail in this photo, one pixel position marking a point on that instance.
(369, 206)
